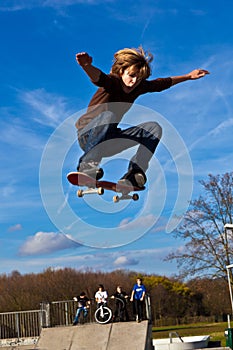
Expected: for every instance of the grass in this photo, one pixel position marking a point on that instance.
(215, 330)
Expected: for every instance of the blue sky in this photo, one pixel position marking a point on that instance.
(43, 92)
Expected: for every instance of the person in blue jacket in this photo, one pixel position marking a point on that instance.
(138, 297)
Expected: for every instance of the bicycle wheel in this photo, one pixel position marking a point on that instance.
(103, 315)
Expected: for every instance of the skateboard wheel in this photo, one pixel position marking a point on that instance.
(135, 197)
(116, 199)
(80, 193)
(100, 191)
(99, 173)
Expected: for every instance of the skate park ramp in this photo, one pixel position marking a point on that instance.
(114, 336)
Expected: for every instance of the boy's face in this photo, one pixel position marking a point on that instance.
(130, 78)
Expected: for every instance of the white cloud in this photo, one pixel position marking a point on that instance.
(144, 260)
(19, 5)
(45, 243)
(225, 125)
(141, 222)
(19, 137)
(7, 190)
(125, 261)
(16, 227)
(52, 108)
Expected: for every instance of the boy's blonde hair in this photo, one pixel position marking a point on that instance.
(134, 60)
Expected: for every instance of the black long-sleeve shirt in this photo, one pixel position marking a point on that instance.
(111, 91)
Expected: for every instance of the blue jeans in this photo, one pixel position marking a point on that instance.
(79, 310)
(103, 138)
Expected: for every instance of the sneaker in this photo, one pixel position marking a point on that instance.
(133, 178)
(91, 169)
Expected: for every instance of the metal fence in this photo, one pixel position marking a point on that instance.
(28, 324)
(61, 313)
(20, 325)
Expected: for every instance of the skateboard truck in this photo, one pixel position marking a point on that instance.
(99, 190)
(134, 197)
(93, 186)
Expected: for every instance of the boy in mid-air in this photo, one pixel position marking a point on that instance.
(115, 95)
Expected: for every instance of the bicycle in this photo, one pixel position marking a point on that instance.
(103, 314)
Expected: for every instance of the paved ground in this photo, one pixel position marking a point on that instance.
(115, 336)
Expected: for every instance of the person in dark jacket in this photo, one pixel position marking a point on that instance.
(120, 312)
(83, 305)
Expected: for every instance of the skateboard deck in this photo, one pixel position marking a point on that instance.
(94, 186)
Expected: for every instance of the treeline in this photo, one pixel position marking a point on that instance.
(170, 298)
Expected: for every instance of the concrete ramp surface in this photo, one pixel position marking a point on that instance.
(114, 336)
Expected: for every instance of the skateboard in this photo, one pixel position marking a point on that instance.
(94, 186)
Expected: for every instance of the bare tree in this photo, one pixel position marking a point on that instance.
(209, 247)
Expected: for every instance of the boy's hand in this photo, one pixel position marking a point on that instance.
(195, 74)
(83, 59)
(198, 73)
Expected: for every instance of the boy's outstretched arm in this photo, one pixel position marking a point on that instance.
(85, 61)
(195, 74)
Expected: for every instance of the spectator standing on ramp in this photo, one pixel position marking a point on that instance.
(138, 297)
(120, 307)
(101, 296)
(83, 305)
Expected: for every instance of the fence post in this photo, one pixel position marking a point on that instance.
(66, 314)
(45, 308)
(17, 324)
(148, 308)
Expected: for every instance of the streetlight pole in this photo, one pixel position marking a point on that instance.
(229, 227)
(229, 285)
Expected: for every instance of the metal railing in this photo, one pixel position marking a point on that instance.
(61, 313)
(20, 324)
(28, 324)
